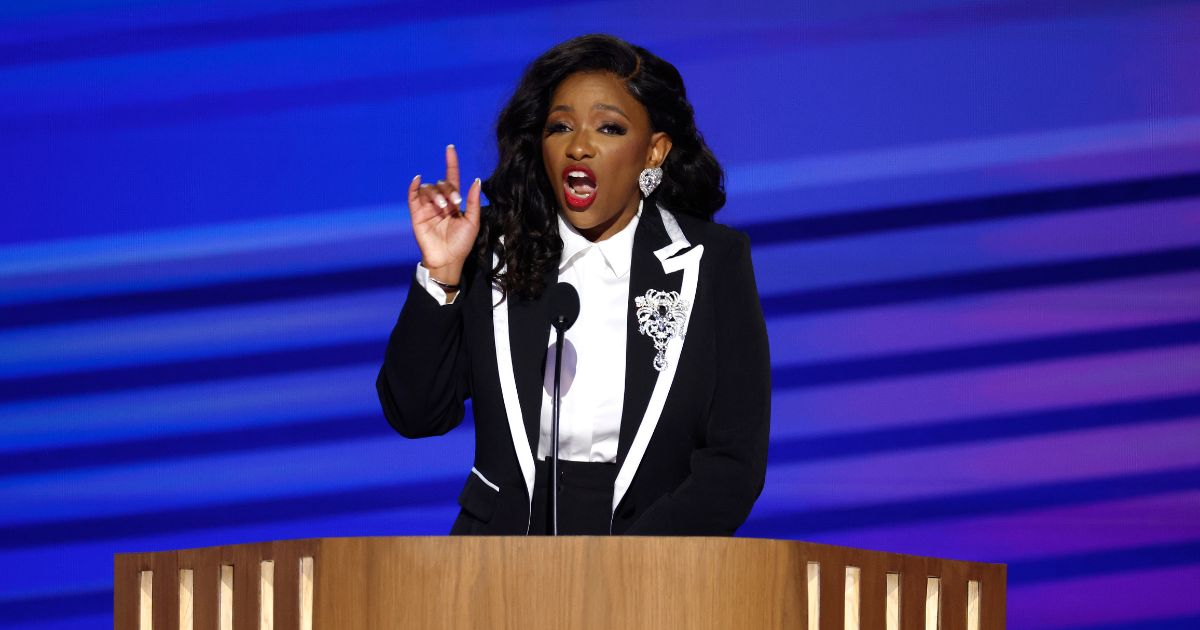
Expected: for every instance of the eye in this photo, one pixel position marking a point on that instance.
(556, 127)
(612, 129)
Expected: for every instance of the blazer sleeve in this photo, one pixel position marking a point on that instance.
(728, 471)
(425, 379)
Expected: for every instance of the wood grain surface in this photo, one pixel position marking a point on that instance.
(553, 583)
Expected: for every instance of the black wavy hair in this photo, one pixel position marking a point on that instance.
(523, 205)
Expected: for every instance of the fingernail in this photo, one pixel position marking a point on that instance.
(417, 177)
(440, 201)
(449, 146)
(456, 197)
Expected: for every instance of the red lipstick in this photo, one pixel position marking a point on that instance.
(579, 185)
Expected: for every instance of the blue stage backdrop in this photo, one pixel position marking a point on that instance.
(976, 229)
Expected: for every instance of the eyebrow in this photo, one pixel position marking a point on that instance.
(603, 106)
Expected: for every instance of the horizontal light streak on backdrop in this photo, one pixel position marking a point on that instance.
(983, 429)
(1141, 599)
(210, 53)
(107, 31)
(453, 40)
(950, 510)
(210, 529)
(1059, 530)
(785, 376)
(977, 247)
(861, 295)
(351, 317)
(839, 446)
(806, 520)
(784, 451)
(61, 612)
(958, 156)
(92, 559)
(1110, 174)
(984, 319)
(258, 248)
(389, 262)
(919, 475)
(859, 259)
(206, 60)
(100, 18)
(265, 401)
(329, 238)
(1021, 352)
(930, 473)
(923, 399)
(1024, 351)
(258, 475)
(200, 334)
(935, 400)
(256, 327)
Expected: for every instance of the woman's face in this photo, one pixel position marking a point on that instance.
(596, 142)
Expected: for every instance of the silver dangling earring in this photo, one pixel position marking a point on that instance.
(649, 180)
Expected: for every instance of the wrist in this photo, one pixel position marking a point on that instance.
(449, 277)
(447, 288)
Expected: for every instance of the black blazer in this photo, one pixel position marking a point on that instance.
(692, 451)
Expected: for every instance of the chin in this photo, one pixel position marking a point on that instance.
(589, 218)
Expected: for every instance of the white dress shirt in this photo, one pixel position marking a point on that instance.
(593, 375)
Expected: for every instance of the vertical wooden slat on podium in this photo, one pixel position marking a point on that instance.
(266, 592)
(812, 594)
(833, 592)
(912, 593)
(992, 599)
(954, 596)
(126, 587)
(873, 594)
(308, 587)
(287, 554)
(287, 571)
(790, 569)
(800, 579)
(206, 575)
(245, 585)
(166, 590)
(186, 603)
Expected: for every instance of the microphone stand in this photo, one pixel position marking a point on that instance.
(559, 324)
(564, 309)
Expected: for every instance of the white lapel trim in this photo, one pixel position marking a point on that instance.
(690, 264)
(508, 389)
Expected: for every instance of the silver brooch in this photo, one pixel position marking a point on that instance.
(661, 317)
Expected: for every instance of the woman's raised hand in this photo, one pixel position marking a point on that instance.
(444, 233)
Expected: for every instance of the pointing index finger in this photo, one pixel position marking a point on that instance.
(452, 166)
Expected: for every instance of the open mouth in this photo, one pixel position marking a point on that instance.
(579, 184)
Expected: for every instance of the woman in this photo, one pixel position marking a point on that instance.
(603, 181)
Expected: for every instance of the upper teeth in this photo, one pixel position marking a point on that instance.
(576, 174)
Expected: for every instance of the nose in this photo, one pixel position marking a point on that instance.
(580, 146)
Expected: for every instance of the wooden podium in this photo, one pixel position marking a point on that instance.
(554, 583)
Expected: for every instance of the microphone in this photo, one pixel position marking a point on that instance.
(564, 310)
(564, 306)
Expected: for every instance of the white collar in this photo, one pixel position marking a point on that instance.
(617, 249)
